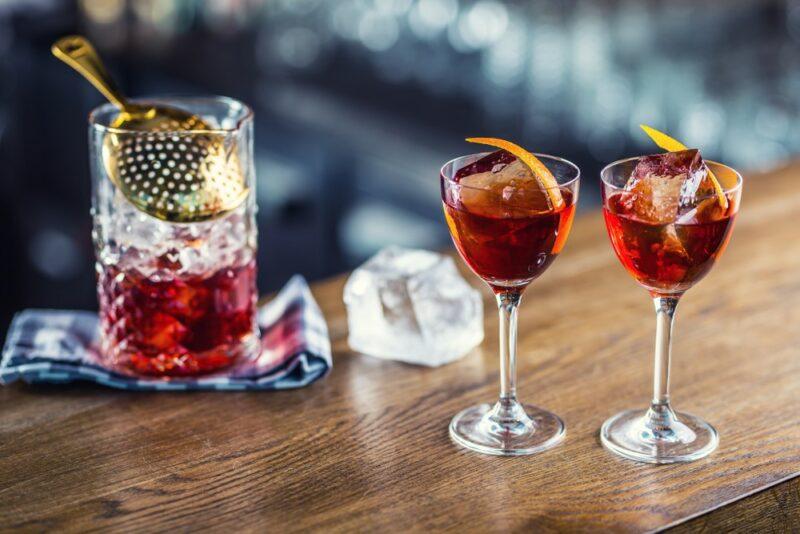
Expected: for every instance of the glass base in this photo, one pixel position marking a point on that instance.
(658, 436)
(506, 429)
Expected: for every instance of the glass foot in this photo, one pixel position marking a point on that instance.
(506, 429)
(658, 436)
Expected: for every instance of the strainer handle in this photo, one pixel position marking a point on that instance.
(79, 54)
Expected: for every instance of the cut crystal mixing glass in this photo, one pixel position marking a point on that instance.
(176, 298)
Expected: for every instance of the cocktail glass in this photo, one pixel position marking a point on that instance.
(666, 258)
(176, 299)
(508, 237)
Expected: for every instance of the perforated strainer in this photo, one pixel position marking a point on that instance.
(176, 176)
(167, 162)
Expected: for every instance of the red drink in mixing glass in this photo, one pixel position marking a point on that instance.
(177, 324)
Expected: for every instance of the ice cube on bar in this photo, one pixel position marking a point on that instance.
(412, 306)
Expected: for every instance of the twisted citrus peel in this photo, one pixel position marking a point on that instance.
(673, 145)
(542, 174)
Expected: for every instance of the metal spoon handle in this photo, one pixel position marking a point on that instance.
(79, 54)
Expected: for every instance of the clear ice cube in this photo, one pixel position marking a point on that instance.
(412, 306)
(665, 186)
(500, 185)
(706, 210)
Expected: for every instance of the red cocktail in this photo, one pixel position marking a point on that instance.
(172, 324)
(669, 217)
(667, 258)
(508, 241)
(509, 214)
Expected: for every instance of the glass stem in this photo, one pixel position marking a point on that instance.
(508, 302)
(508, 417)
(660, 415)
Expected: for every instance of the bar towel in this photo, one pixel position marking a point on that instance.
(58, 346)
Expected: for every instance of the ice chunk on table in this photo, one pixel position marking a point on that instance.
(501, 185)
(412, 306)
(663, 187)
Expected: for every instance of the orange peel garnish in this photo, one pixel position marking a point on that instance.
(539, 170)
(673, 145)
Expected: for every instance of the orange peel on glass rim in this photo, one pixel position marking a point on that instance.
(673, 145)
(542, 174)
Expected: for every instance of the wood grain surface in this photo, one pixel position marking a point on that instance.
(367, 448)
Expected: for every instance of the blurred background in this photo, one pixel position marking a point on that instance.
(359, 102)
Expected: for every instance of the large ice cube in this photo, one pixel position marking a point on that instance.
(665, 186)
(412, 306)
(500, 185)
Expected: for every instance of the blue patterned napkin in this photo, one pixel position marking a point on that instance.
(58, 346)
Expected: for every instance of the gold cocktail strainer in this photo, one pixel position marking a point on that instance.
(167, 162)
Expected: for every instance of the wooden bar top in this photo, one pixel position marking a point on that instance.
(367, 448)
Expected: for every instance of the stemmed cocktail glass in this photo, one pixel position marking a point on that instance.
(508, 232)
(666, 257)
